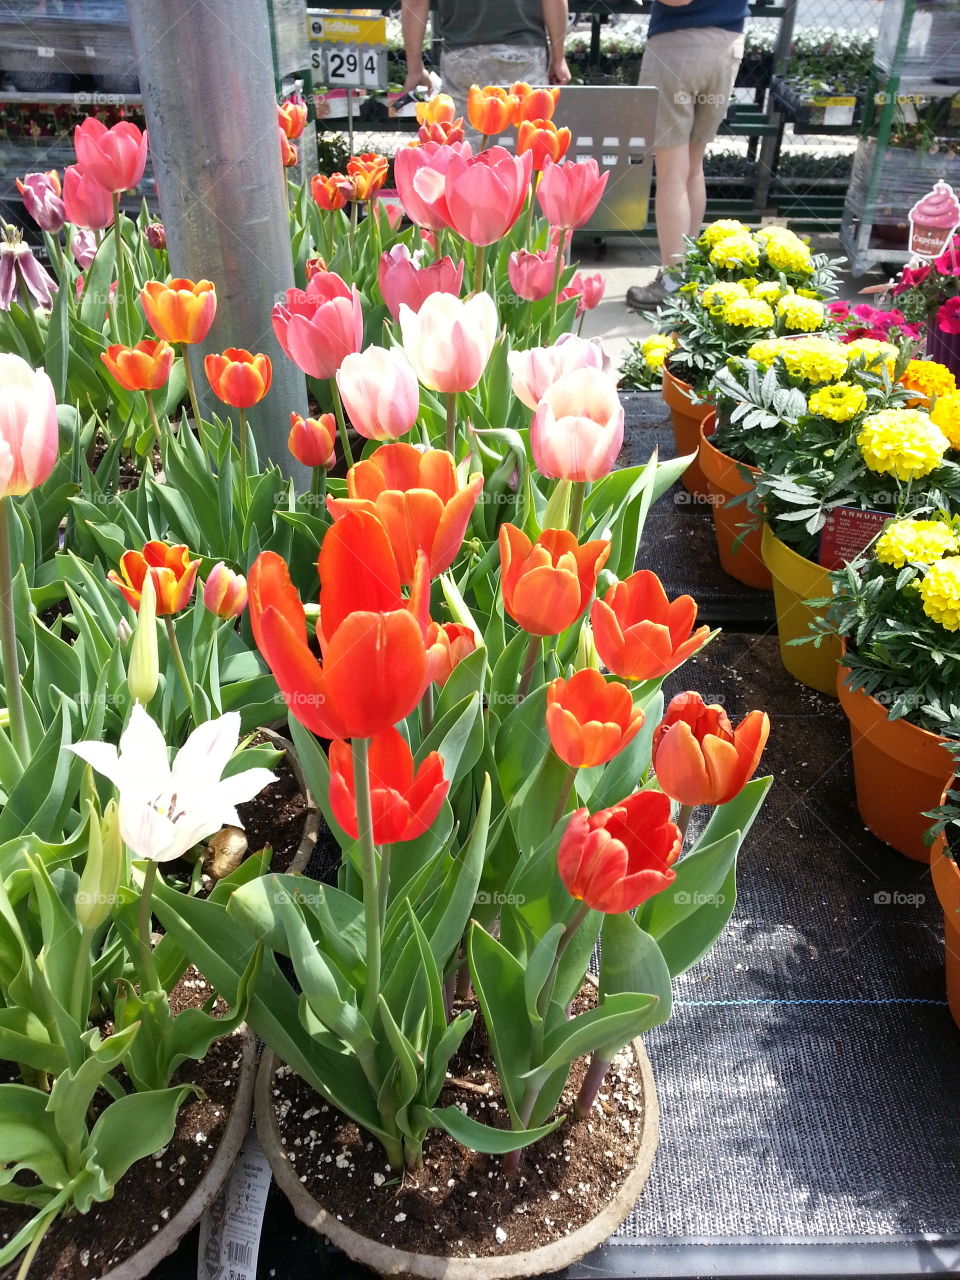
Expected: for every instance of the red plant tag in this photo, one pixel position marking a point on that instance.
(847, 532)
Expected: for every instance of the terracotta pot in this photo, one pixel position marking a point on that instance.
(686, 417)
(946, 880)
(311, 823)
(740, 555)
(386, 1261)
(795, 581)
(900, 771)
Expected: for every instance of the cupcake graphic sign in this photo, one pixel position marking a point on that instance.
(933, 220)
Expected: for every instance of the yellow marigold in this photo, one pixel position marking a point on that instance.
(815, 360)
(946, 414)
(928, 377)
(715, 296)
(773, 232)
(719, 230)
(749, 283)
(902, 443)
(784, 255)
(658, 342)
(915, 542)
(874, 350)
(940, 593)
(748, 313)
(735, 251)
(766, 350)
(840, 401)
(768, 290)
(802, 315)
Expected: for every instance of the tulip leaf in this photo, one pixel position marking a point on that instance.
(684, 947)
(737, 814)
(533, 807)
(506, 674)
(476, 1136)
(538, 969)
(521, 741)
(498, 979)
(133, 1127)
(57, 352)
(28, 1134)
(25, 1040)
(615, 1021)
(458, 737)
(630, 960)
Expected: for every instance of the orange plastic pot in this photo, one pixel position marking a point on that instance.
(740, 554)
(946, 880)
(686, 417)
(795, 581)
(900, 771)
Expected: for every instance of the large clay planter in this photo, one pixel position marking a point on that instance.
(686, 417)
(946, 880)
(795, 581)
(386, 1261)
(900, 771)
(740, 555)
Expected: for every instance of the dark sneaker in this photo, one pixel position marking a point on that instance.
(642, 297)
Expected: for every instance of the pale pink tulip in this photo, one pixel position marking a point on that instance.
(420, 177)
(569, 193)
(85, 202)
(403, 280)
(534, 370)
(28, 427)
(448, 341)
(380, 392)
(577, 430)
(114, 157)
(320, 325)
(486, 193)
(225, 592)
(532, 274)
(83, 246)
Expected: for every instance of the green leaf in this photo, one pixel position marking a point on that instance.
(28, 1135)
(498, 979)
(615, 1021)
(630, 960)
(475, 1136)
(133, 1127)
(538, 970)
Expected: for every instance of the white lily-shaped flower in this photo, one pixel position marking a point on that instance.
(165, 810)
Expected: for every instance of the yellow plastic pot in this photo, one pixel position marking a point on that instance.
(946, 880)
(795, 581)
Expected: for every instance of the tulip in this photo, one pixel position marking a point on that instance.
(143, 669)
(238, 377)
(29, 438)
(547, 584)
(534, 370)
(448, 643)
(289, 155)
(225, 592)
(577, 429)
(100, 878)
(619, 857)
(533, 104)
(569, 193)
(40, 193)
(156, 235)
(145, 367)
(368, 172)
(590, 720)
(449, 342)
(543, 140)
(420, 175)
(312, 440)
(380, 392)
(331, 193)
(639, 633)
(415, 496)
(181, 310)
(403, 280)
(319, 326)
(404, 802)
(313, 266)
(19, 267)
(440, 109)
(114, 157)
(83, 246)
(172, 571)
(490, 110)
(441, 132)
(589, 289)
(485, 194)
(292, 118)
(698, 756)
(531, 274)
(85, 202)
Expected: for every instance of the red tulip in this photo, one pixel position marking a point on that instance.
(589, 289)
(547, 584)
(404, 802)
(403, 280)
(589, 719)
(312, 441)
(114, 157)
(225, 592)
(41, 195)
(577, 429)
(173, 572)
(639, 633)
(145, 367)
(444, 133)
(531, 275)
(543, 140)
(238, 377)
(319, 325)
(486, 193)
(420, 174)
(569, 193)
(448, 643)
(333, 192)
(85, 202)
(617, 858)
(698, 756)
(368, 172)
(156, 235)
(29, 438)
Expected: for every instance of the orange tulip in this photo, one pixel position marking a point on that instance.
(617, 858)
(312, 441)
(547, 584)
(180, 311)
(173, 572)
(368, 173)
(440, 109)
(445, 134)
(490, 109)
(590, 720)
(292, 118)
(544, 139)
(333, 192)
(289, 155)
(145, 367)
(404, 802)
(698, 756)
(238, 377)
(448, 644)
(533, 104)
(416, 498)
(639, 633)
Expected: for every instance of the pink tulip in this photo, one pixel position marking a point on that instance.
(225, 592)
(85, 201)
(420, 174)
(402, 279)
(577, 430)
(319, 325)
(538, 368)
(532, 274)
(40, 193)
(449, 341)
(569, 193)
(114, 157)
(83, 246)
(486, 193)
(380, 392)
(28, 427)
(589, 289)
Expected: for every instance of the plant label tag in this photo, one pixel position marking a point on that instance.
(230, 1227)
(933, 220)
(847, 533)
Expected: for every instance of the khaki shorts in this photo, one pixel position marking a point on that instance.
(484, 64)
(694, 68)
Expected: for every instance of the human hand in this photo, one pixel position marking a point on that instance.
(559, 72)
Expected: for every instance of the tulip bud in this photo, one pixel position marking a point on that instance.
(587, 655)
(156, 236)
(143, 669)
(100, 879)
(124, 631)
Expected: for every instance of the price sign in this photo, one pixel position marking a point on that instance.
(348, 50)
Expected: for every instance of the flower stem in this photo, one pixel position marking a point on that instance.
(577, 495)
(383, 888)
(194, 403)
(529, 663)
(426, 711)
(243, 443)
(368, 872)
(179, 664)
(599, 1066)
(8, 642)
(318, 487)
(557, 273)
(341, 422)
(152, 410)
(144, 916)
(564, 795)
(450, 434)
(531, 200)
(478, 266)
(122, 291)
(683, 818)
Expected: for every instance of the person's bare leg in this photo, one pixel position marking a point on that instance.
(672, 204)
(696, 188)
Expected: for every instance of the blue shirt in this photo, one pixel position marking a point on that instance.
(728, 14)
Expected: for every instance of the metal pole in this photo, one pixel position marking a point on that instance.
(206, 75)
